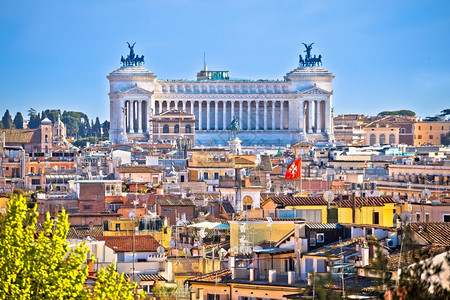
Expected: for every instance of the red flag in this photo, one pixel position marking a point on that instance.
(295, 170)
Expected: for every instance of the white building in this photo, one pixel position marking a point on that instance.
(270, 112)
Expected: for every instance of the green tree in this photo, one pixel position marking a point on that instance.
(445, 140)
(105, 126)
(35, 119)
(52, 114)
(7, 120)
(112, 285)
(71, 125)
(40, 265)
(18, 120)
(403, 112)
(96, 128)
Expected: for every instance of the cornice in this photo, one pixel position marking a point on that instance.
(177, 96)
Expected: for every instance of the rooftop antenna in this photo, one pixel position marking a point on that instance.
(205, 68)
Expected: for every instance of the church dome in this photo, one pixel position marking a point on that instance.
(46, 121)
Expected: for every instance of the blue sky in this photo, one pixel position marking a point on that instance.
(386, 55)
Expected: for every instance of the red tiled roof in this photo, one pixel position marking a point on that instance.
(143, 243)
(216, 276)
(413, 256)
(146, 276)
(138, 169)
(437, 233)
(364, 201)
(295, 201)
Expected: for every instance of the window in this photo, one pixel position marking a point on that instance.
(205, 175)
(166, 210)
(376, 218)
(212, 210)
(391, 139)
(402, 130)
(417, 217)
(431, 136)
(212, 297)
(35, 181)
(320, 237)
(176, 129)
(427, 218)
(431, 127)
(87, 207)
(382, 139)
(117, 226)
(32, 170)
(216, 175)
(372, 139)
(420, 128)
(182, 178)
(442, 127)
(188, 129)
(166, 128)
(247, 203)
(419, 136)
(446, 218)
(46, 138)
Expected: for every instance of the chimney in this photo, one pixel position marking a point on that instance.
(272, 275)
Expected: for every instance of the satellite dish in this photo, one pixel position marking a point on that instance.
(160, 250)
(329, 196)
(172, 244)
(186, 251)
(180, 223)
(426, 194)
(406, 217)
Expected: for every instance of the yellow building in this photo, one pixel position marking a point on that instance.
(430, 133)
(367, 211)
(381, 133)
(209, 165)
(123, 227)
(311, 209)
(258, 230)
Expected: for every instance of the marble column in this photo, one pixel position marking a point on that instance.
(265, 115)
(282, 115)
(232, 109)
(310, 116)
(216, 115)
(123, 118)
(159, 107)
(257, 116)
(273, 115)
(316, 116)
(139, 115)
(184, 105)
(131, 116)
(327, 117)
(208, 119)
(240, 113)
(199, 115)
(249, 111)
(224, 117)
(150, 111)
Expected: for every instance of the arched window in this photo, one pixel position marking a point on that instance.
(382, 139)
(166, 128)
(391, 139)
(247, 203)
(188, 129)
(372, 139)
(176, 129)
(46, 138)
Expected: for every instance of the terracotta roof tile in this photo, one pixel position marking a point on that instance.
(146, 276)
(16, 136)
(295, 201)
(437, 233)
(216, 276)
(143, 243)
(138, 169)
(364, 201)
(175, 202)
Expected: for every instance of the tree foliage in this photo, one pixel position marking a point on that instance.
(35, 119)
(445, 140)
(18, 120)
(40, 265)
(403, 112)
(164, 292)
(7, 120)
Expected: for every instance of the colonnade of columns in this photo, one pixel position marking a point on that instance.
(218, 114)
(316, 115)
(136, 116)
